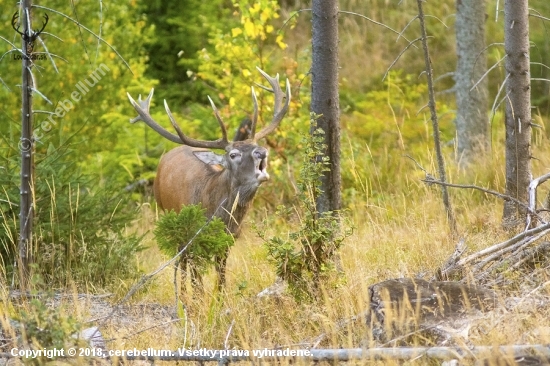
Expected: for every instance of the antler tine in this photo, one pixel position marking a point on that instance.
(220, 143)
(14, 22)
(220, 120)
(278, 111)
(274, 82)
(142, 108)
(43, 25)
(255, 114)
(174, 123)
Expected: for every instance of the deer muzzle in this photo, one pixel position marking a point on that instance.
(260, 164)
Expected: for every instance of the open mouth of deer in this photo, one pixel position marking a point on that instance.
(260, 165)
(261, 170)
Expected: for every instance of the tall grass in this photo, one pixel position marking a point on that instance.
(400, 223)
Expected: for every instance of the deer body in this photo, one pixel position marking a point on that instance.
(224, 184)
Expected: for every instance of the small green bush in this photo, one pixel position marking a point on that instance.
(209, 240)
(44, 327)
(306, 257)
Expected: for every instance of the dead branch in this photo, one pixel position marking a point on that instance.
(521, 259)
(496, 254)
(49, 54)
(226, 341)
(399, 56)
(531, 254)
(539, 16)
(399, 34)
(442, 273)
(80, 25)
(445, 75)
(485, 49)
(406, 26)
(495, 105)
(487, 72)
(540, 79)
(435, 123)
(533, 195)
(511, 248)
(334, 355)
(397, 353)
(494, 248)
(540, 64)
(431, 180)
(433, 16)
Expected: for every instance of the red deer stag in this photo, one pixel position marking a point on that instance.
(224, 184)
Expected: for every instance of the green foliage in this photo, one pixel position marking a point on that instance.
(100, 117)
(389, 117)
(81, 208)
(46, 327)
(181, 29)
(380, 128)
(305, 257)
(80, 226)
(229, 68)
(209, 240)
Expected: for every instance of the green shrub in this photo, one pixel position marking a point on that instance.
(306, 257)
(210, 240)
(46, 327)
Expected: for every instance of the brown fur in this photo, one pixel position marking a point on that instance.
(224, 191)
(183, 179)
(224, 185)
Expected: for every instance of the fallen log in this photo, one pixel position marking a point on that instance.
(512, 352)
(408, 305)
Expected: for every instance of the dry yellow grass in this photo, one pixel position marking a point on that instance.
(398, 236)
(400, 231)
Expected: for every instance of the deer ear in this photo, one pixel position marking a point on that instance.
(210, 158)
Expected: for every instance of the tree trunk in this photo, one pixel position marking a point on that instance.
(26, 212)
(472, 130)
(518, 109)
(325, 98)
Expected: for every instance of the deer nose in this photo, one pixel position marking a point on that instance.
(260, 153)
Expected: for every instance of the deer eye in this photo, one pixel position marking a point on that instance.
(233, 155)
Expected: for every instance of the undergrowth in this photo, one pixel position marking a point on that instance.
(304, 259)
(401, 230)
(81, 224)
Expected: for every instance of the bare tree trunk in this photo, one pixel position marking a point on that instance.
(518, 109)
(26, 146)
(472, 130)
(325, 98)
(435, 123)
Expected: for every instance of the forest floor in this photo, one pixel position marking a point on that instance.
(389, 242)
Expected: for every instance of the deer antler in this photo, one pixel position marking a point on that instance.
(34, 34)
(143, 115)
(142, 107)
(278, 111)
(220, 143)
(37, 33)
(14, 23)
